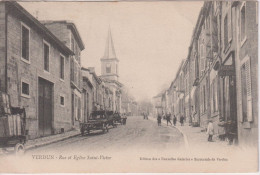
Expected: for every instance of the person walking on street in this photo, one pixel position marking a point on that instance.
(174, 120)
(159, 120)
(168, 118)
(182, 120)
(210, 131)
(124, 119)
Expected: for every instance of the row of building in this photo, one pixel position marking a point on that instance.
(41, 69)
(218, 80)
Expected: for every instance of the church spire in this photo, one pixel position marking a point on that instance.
(109, 50)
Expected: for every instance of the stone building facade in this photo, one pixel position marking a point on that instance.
(220, 72)
(87, 93)
(67, 32)
(33, 64)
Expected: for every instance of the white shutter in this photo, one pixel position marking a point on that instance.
(241, 96)
(249, 90)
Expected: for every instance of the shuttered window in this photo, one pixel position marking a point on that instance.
(246, 91)
(243, 23)
(256, 12)
(25, 43)
(230, 24)
(46, 56)
(216, 94)
(62, 66)
(226, 31)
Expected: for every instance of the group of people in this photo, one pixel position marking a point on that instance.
(168, 119)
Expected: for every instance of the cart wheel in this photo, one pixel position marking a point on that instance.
(19, 149)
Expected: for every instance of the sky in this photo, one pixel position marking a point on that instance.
(150, 38)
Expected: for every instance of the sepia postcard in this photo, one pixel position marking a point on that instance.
(129, 87)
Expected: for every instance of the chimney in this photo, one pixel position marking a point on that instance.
(36, 14)
(91, 69)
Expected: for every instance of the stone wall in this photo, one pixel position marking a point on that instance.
(19, 70)
(2, 47)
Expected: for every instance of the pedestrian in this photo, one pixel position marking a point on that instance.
(124, 119)
(159, 120)
(162, 116)
(210, 130)
(168, 118)
(182, 120)
(174, 120)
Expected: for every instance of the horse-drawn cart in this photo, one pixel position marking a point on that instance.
(98, 120)
(117, 118)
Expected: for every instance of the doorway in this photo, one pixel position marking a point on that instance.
(45, 107)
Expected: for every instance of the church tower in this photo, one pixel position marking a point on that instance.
(109, 62)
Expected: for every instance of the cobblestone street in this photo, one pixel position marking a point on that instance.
(136, 134)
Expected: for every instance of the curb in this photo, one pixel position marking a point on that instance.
(186, 142)
(41, 144)
(29, 147)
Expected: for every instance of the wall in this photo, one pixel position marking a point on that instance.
(2, 47)
(249, 136)
(17, 70)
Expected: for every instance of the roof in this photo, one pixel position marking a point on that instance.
(73, 29)
(40, 26)
(111, 81)
(178, 72)
(158, 95)
(110, 49)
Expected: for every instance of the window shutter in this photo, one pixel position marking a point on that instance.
(216, 93)
(230, 24)
(249, 92)
(240, 92)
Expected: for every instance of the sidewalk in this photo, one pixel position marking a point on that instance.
(30, 144)
(50, 139)
(195, 138)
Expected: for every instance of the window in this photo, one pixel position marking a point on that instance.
(226, 32)
(62, 65)
(62, 100)
(246, 91)
(25, 89)
(72, 44)
(46, 56)
(230, 24)
(243, 23)
(256, 12)
(108, 68)
(72, 70)
(204, 98)
(25, 43)
(214, 98)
